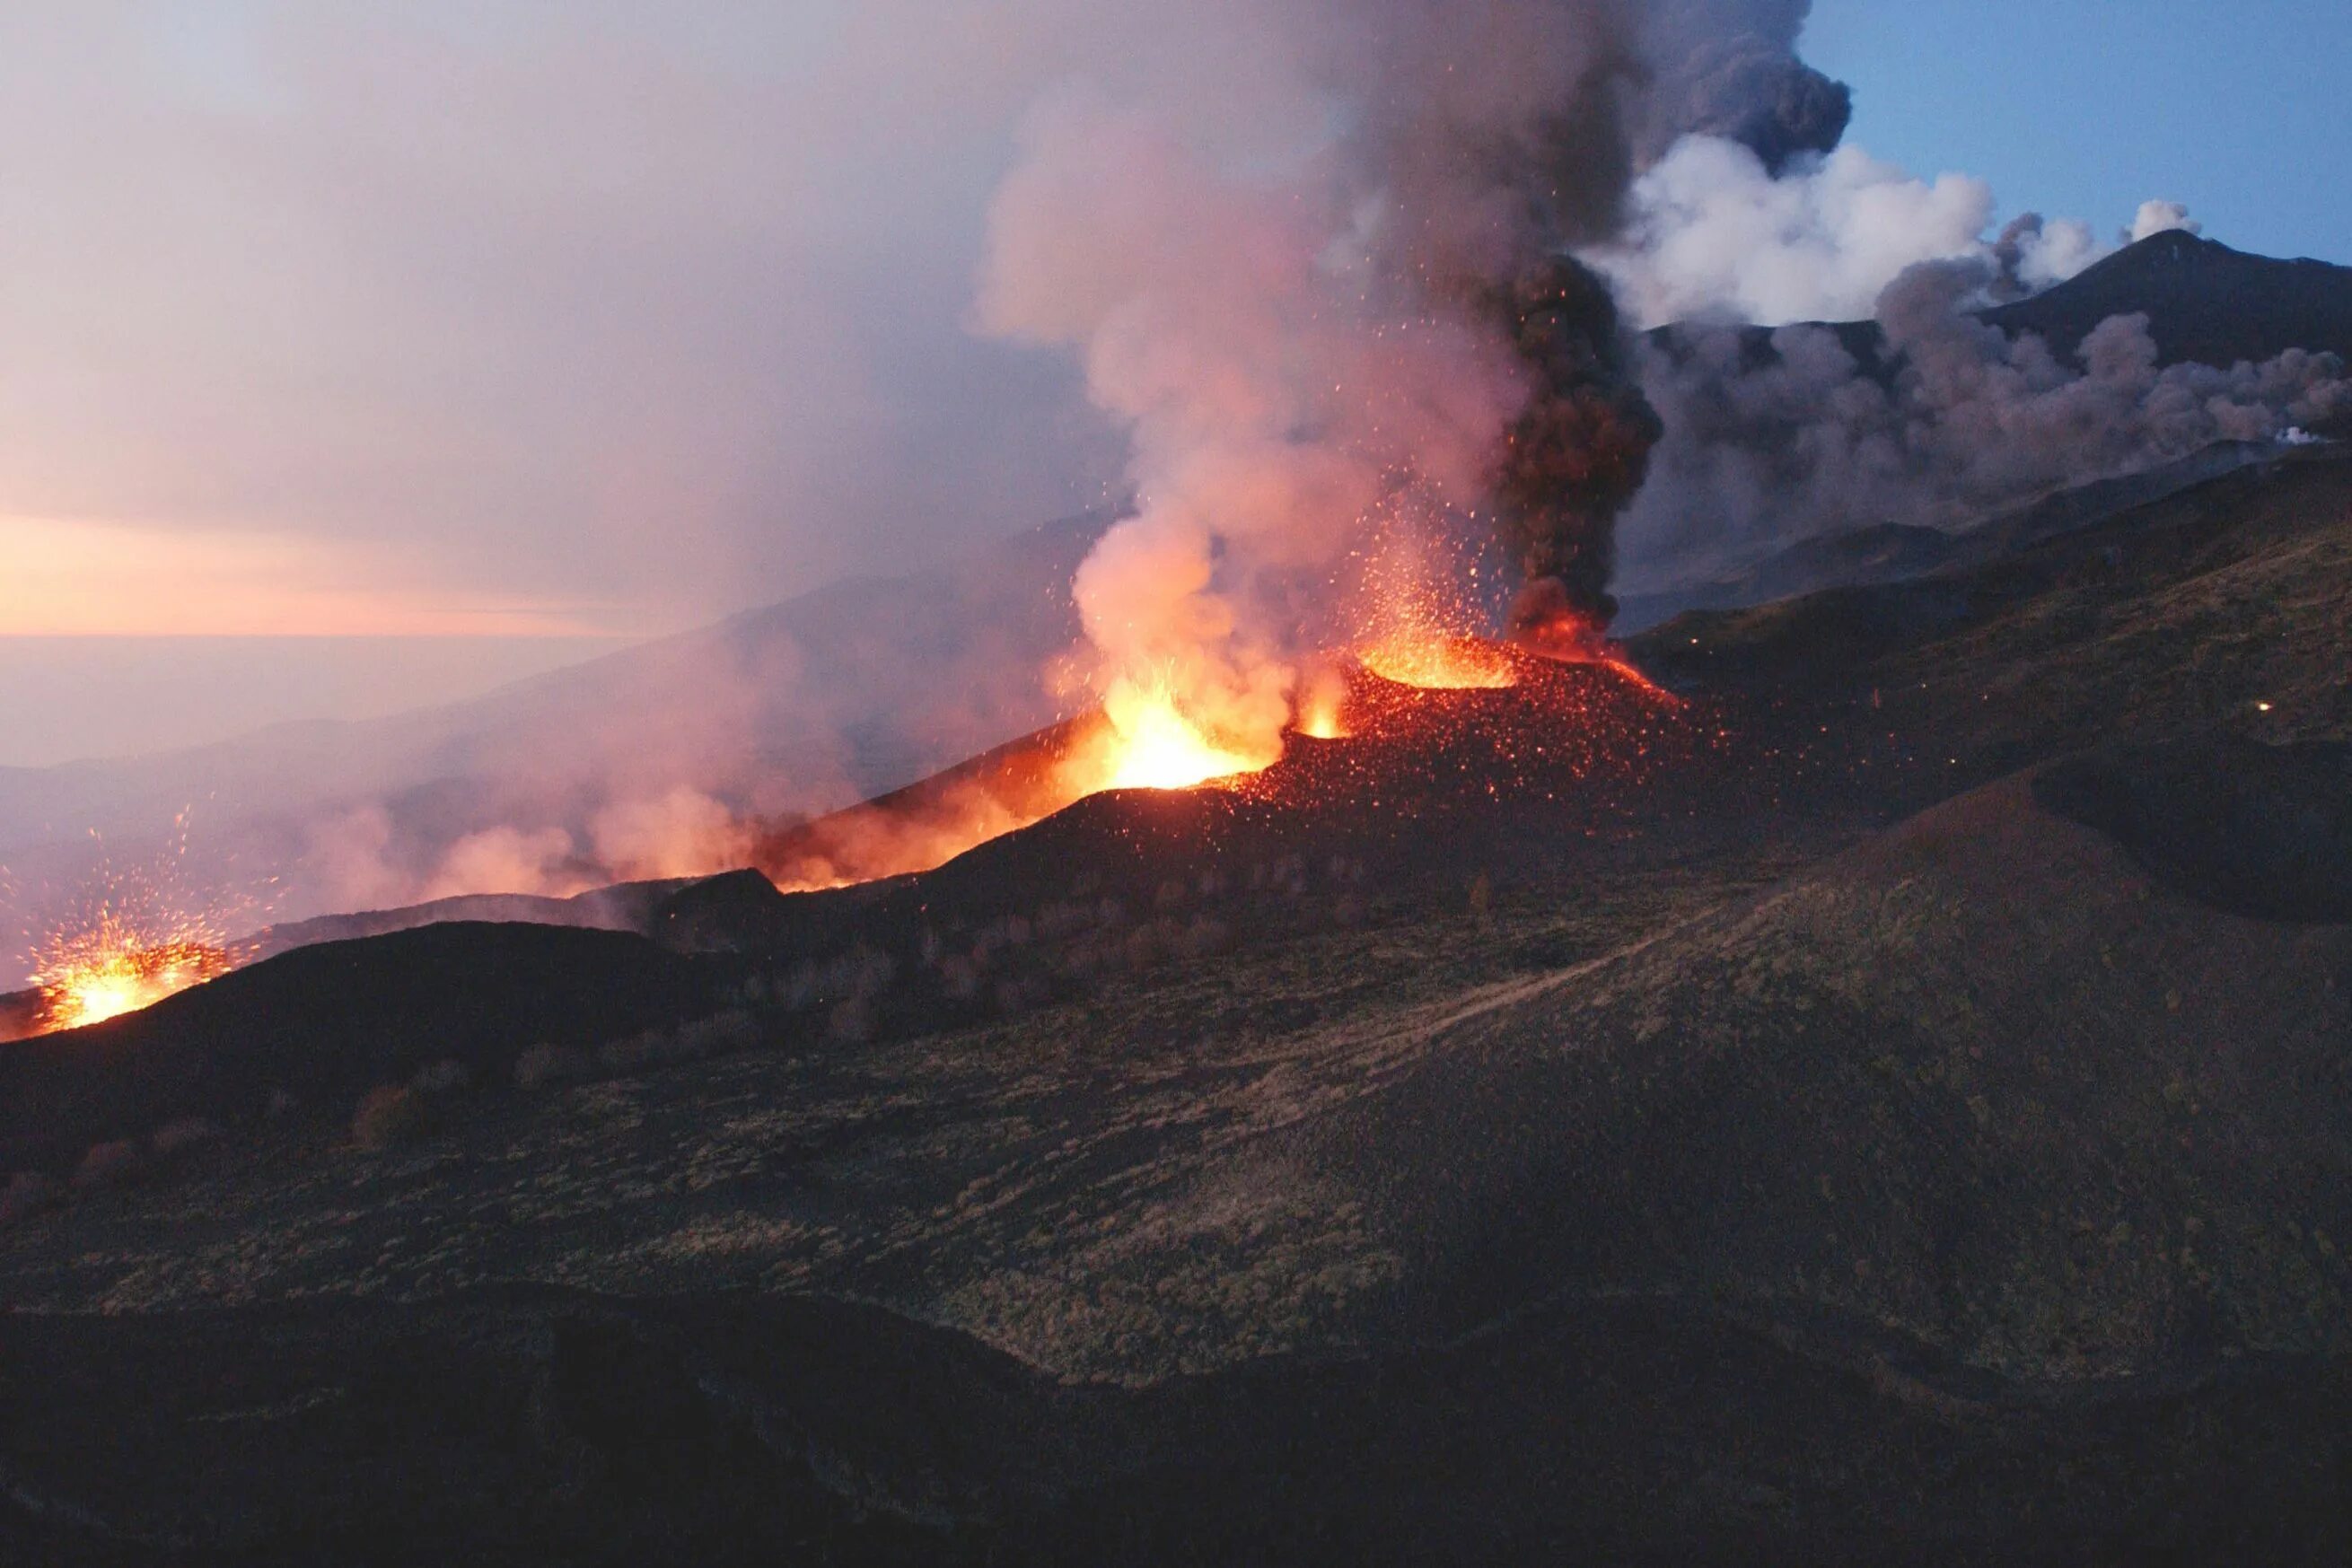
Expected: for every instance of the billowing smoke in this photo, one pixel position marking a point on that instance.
(1773, 439)
(1366, 301)
(2161, 217)
(1579, 453)
(1714, 231)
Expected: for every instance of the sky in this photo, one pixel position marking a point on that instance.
(2086, 108)
(481, 333)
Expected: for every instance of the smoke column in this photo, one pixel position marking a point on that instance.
(1369, 295)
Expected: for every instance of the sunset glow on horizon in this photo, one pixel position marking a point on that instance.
(83, 578)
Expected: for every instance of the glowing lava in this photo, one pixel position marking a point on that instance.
(109, 968)
(1150, 743)
(1436, 663)
(1323, 704)
(133, 937)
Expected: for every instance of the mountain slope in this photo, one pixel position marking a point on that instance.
(2204, 302)
(847, 690)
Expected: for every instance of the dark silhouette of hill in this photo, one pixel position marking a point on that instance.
(2204, 302)
(624, 906)
(327, 1023)
(524, 1425)
(1895, 552)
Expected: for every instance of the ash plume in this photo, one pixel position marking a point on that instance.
(1359, 286)
(1774, 441)
(1579, 453)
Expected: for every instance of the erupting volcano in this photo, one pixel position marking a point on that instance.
(135, 938)
(1403, 727)
(112, 969)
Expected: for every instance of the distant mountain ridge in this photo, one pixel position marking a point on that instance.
(2204, 302)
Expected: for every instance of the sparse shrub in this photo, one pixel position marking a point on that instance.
(444, 1077)
(1171, 895)
(734, 1029)
(862, 971)
(1208, 938)
(631, 1053)
(543, 1066)
(388, 1117)
(280, 1103)
(1349, 910)
(1147, 948)
(1482, 896)
(115, 1164)
(854, 1023)
(1059, 922)
(28, 1194)
(184, 1136)
(960, 978)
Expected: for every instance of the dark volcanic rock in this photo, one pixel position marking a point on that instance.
(544, 1426)
(2204, 302)
(2261, 830)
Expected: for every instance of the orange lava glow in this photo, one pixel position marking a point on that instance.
(1141, 738)
(1435, 664)
(133, 938)
(1152, 744)
(108, 970)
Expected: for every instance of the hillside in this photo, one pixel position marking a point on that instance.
(1884, 1100)
(2204, 302)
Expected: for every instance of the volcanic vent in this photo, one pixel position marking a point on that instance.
(1390, 751)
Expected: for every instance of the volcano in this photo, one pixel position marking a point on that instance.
(1861, 1079)
(1572, 742)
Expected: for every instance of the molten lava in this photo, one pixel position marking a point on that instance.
(133, 937)
(1435, 663)
(1505, 719)
(111, 967)
(1150, 743)
(1140, 738)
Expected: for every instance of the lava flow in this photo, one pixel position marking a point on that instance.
(1521, 720)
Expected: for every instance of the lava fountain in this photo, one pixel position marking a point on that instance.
(111, 967)
(136, 938)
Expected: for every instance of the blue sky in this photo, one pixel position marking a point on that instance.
(2086, 108)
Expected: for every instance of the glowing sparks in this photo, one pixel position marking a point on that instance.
(131, 939)
(109, 970)
(1440, 663)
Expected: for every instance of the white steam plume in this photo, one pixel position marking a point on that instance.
(1713, 234)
